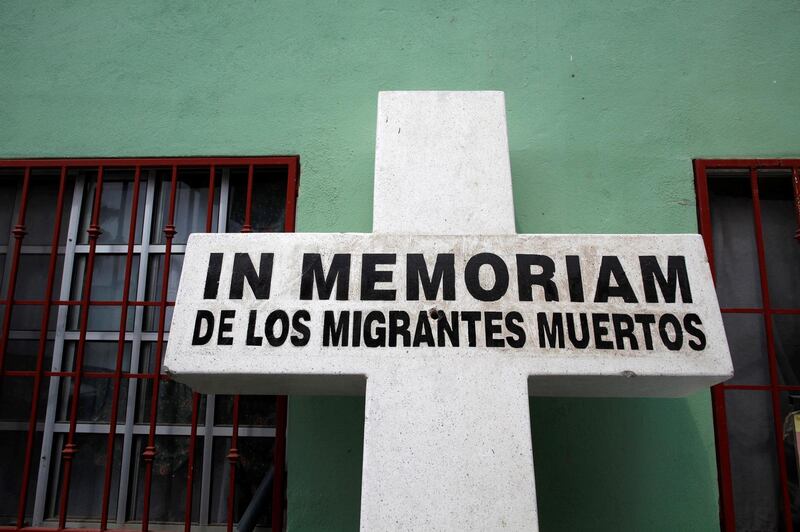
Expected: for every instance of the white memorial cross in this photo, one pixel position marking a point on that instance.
(446, 319)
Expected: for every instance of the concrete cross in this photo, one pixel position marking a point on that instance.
(447, 441)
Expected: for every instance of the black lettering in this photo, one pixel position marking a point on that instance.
(492, 328)
(398, 325)
(376, 338)
(298, 324)
(333, 333)
(356, 328)
(472, 279)
(646, 321)
(677, 277)
(690, 323)
(269, 327)
(444, 277)
(252, 339)
(207, 317)
(338, 274)
(624, 328)
(212, 276)
(600, 330)
(449, 328)
(514, 325)
(611, 267)
(370, 276)
(526, 279)
(225, 326)
(574, 278)
(550, 335)
(259, 282)
(585, 333)
(671, 344)
(423, 331)
(470, 317)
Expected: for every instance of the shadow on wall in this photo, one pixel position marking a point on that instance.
(324, 454)
(610, 464)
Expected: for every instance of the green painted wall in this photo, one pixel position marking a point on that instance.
(608, 102)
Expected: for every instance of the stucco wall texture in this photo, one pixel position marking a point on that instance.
(608, 102)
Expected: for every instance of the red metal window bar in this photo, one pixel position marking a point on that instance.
(72, 194)
(748, 186)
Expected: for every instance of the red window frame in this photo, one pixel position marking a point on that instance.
(292, 165)
(701, 168)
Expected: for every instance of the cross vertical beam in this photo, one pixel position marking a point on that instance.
(447, 439)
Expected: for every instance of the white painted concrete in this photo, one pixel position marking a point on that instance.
(447, 442)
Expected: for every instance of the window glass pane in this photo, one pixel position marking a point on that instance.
(88, 476)
(32, 276)
(237, 196)
(155, 276)
(754, 466)
(255, 462)
(29, 318)
(40, 218)
(100, 318)
(790, 410)
(9, 183)
(256, 410)
(116, 207)
(191, 205)
(174, 403)
(31, 284)
(13, 444)
(161, 200)
(97, 356)
(3, 280)
(748, 345)
(147, 356)
(161, 178)
(152, 318)
(735, 255)
(89, 177)
(102, 356)
(268, 203)
(16, 395)
(95, 400)
(168, 488)
(223, 410)
(108, 279)
(781, 249)
(786, 329)
(22, 355)
(219, 480)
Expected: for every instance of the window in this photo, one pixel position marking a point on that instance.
(90, 257)
(750, 219)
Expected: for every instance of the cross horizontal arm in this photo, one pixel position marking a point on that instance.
(580, 314)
